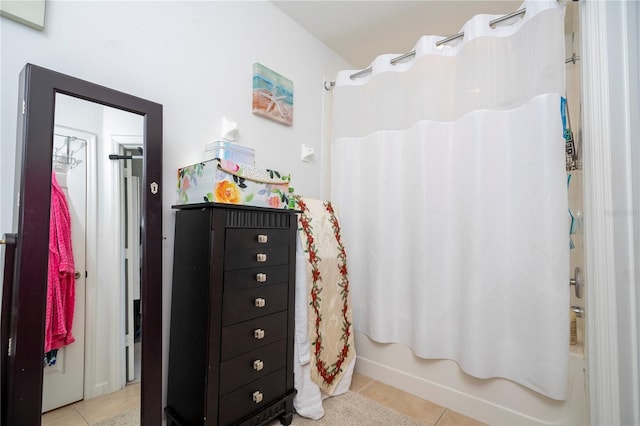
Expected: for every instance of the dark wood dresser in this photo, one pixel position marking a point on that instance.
(232, 316)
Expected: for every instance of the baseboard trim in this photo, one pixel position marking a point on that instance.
(469, 405)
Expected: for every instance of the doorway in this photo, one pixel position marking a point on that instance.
(104, 197)
(131, 169)
(63, 381)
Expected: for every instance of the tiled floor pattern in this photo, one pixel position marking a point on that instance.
(84, 413)
(408, 404)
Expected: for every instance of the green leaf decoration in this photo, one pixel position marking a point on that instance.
(248, 198)
(209, 197)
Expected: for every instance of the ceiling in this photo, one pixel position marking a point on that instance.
(361, 30)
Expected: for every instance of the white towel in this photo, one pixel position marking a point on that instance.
(301, 306)
(308, 400)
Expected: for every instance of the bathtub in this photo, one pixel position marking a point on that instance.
(493, 401)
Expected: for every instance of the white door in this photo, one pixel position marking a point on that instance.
(64, 380)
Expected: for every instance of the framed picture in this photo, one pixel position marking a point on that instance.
(272, 95)
(29, 13)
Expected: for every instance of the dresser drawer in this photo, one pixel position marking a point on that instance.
(251, 366)
(249, 398)
(252, 303)
(242, 279)
(253, 257)
(247, 238)
(249, 335)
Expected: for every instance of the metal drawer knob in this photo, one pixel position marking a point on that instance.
(261, 257)
(262, 238)
(260, 302)
(258, 333)
(258, 365)
(257, 397)
(261, 277)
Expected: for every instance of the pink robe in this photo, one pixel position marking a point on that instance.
(61, 280)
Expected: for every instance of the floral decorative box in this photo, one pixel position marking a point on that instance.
(223, 181)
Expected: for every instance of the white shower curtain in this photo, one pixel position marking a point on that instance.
(449, 174)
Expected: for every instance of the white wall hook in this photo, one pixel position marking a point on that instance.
(306, 153)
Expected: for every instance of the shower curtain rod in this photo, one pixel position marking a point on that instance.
(328, 85)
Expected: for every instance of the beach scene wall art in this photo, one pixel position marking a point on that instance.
(272, 95)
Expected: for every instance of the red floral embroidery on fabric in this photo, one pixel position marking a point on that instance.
(328, 374)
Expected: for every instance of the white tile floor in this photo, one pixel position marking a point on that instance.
(84, 413)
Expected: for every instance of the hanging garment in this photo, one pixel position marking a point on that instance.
(449, 171)
(331, 348)
(60, 280)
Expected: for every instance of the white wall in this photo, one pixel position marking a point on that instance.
(194, 58)
(624, 94)
(635, 167)
(610, 111)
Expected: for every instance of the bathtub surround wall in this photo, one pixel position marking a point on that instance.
(575, 177)
(194, 58)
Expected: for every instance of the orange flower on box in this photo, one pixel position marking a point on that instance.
(227, 192)
(274, 201)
